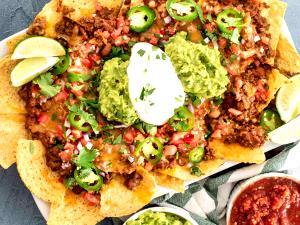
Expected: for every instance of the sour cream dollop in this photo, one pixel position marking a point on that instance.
(154, 87)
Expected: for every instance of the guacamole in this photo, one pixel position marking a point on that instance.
(154, 218)
(197, 66)
(114, 100)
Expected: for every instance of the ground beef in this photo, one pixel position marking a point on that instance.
(54, 161)
(249, 135)
(38, 27)
(133, 180)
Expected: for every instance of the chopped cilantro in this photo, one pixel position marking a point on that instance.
(196, 171)
(53, 116)
(45, 83)
(218, 100)
(209, 17)
(69, 182)
(157, 57)
(146, 92)
(146, 128)
(108, 127)
(164, 56)
(141, 52)
(118, 140)
(154, 48)
(86, 157)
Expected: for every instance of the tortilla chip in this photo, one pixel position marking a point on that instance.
(86, 8)
(184, 173)
(275, 81)
(10, 101)
(12, 128)
(275, 18)
(37, 176)
(74, 210)
(287, 58)
(236, 152)
(117, 200)
(169, 182)
(48, 18)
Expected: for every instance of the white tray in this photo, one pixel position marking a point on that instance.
(45, 207)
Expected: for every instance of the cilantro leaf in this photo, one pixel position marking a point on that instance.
(118, 140)
(146, 92)
(86, 157)
(141, 52)
(45, 83)
(69, 182)
(87, 117)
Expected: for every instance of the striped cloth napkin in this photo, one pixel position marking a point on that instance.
(206, 200)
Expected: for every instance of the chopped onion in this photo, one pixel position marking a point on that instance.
(86, 137)
(167, 20)
(191, 107)
(131, 148)
(216, 46)
(68, 132)
(102, 174)
(140, 160)
(67, 124)
(130, 159)
(120, 126)
(189, 165)
(89, 145)
(256, 38)
(79, 146)
(206, 40)
(76, 152)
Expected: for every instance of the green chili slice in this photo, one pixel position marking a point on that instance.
(230, 23)
(196, 155)
(152, 149)
(62, 65)
(182, 10)
(270, 120)
(141, 18)
(78, 122)
(82, 176)
(196, 171)
(74, 77)
(183, 120)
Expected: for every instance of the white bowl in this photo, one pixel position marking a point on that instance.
(176, 211)
(243, 185)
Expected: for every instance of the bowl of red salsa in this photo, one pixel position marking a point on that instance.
(267, 199)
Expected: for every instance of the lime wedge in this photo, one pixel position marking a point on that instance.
(38, 47)
(287, 133)
(288, 99)
(28, 69)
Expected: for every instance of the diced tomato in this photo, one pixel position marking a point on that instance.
(234, 48)
(106, 34)
(119, 41)
(188, 138)
(66, 155)
(120, 21)
(77, 92)
(59, 130)
(231, 71)
(125, 29)
(95, 57)
(162, 32)
(153, 40)
(210, 27)
(89, 48)
(43, 119)
(76, 133)
(92, 199)
(69, 146)
(115, 34)
(171, 30)
(83, 142)
(129, 135)
(222, 42)
(62, 96)
(87, 63)
(177, 138)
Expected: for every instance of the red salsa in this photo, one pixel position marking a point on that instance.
(270, 201)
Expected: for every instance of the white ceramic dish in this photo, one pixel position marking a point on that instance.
(176, 211)
(244, 184)
(45, 207)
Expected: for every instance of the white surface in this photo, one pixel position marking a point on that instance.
(174, 210)
(45, 207)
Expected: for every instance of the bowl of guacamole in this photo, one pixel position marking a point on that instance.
(161, 215)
